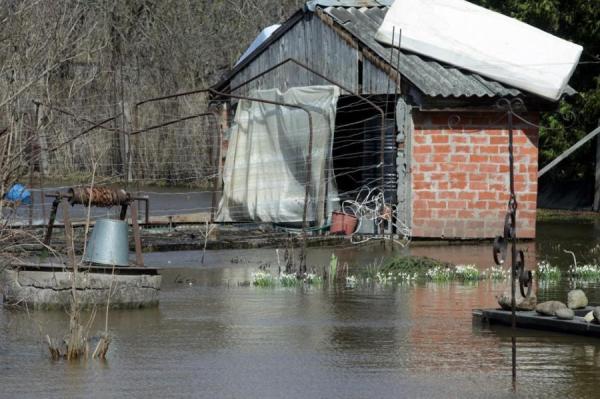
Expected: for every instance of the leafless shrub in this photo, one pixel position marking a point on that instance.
(96, 59)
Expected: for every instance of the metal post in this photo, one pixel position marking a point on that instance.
(52, 219)
(217, 173)
(123, 214)
(513, 211)
(139, 259)
(500, 247)
(69, 236)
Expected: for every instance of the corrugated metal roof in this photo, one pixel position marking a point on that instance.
(431, 77)
(361, 19)
(312, 4)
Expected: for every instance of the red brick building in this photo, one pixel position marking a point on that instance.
(445, 148)
(460, 177)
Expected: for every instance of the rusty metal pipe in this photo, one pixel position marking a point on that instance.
(167, 97)
(99, 196)
(172, 122)
(72, 115)
(84, 132)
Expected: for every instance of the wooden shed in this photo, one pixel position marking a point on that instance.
(446, 143)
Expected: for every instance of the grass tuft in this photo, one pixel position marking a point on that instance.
(545, 271)
(262, 279)
(589, 272)
(467, 273)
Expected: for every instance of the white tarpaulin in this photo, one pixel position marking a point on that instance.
(483, 41)
(265, 170)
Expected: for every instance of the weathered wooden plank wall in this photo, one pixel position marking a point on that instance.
(316, 44)
(311, 42)
(374, 80)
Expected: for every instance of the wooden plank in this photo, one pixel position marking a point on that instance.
(532, 320)
(568, 152)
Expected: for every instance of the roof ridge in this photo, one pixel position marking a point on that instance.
(313, 4)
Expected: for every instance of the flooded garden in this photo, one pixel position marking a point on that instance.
(218, 332)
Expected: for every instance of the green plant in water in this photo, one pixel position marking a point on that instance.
(585, 272)
(467, 273)
(372, 271)
(440, 274)
(351, 281)
(545, 271)
(289, 280)
(412, 265)
(313, 279)
(333, 264)
(262, 279)
(391, 278)
(496, 273)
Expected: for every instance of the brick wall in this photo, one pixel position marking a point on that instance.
(460, 175)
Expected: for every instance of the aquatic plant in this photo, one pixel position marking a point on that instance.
(262, 279)
(408, 269)
(351, 281)
(412, 264)
(495, 273)
(467, 273)
(590, 272)
(545, 271)
(439, 274)
(390, 278)
(266, 279)
(333, 263)
(313, 279)
(372, 270)
(288, 280)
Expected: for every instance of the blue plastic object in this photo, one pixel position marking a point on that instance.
(18, 193)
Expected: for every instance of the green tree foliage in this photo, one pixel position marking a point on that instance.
(577, 21)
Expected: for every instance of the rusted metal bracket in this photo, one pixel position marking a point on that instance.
(100, 197)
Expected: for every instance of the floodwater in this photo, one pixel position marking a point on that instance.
(214, 338)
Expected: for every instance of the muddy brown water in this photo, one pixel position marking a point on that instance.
(213, 338)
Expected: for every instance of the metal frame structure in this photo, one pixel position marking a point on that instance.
(91, 197)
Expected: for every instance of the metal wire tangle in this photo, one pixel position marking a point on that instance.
(370, 205)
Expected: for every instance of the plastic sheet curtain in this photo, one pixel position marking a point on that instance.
(265, 170)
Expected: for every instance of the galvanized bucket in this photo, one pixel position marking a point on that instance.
(108, 244)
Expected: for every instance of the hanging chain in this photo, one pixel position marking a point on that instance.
(500, 249)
